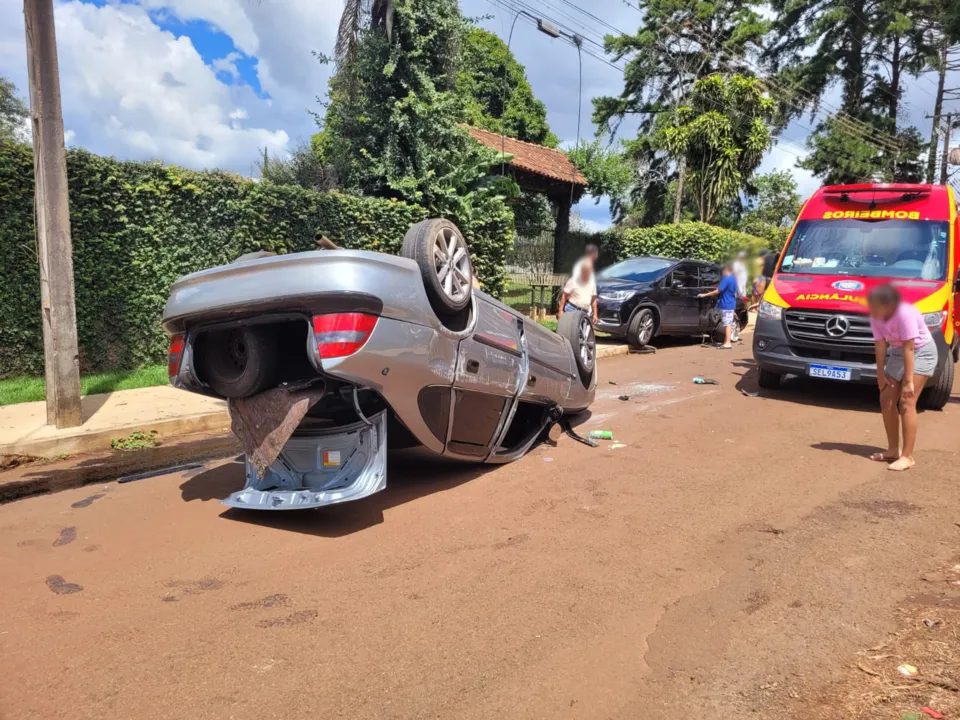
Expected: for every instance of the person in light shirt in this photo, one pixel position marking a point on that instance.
(906, 359)
(580, 292)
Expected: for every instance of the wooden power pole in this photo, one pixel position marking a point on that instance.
(52, 212)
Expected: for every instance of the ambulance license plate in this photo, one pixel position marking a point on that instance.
(831, 372)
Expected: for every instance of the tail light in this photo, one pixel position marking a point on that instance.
(342, 334)
(174, 356)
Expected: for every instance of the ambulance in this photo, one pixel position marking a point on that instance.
(813, 317)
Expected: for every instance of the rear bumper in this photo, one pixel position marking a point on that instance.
(318, 468)
(774, 352)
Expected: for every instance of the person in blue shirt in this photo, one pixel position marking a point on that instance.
(726, 302)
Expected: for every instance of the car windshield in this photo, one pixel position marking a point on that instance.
(637, 269)
(913, 249)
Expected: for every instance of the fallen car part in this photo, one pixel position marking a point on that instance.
(161, 471)
(318, 467)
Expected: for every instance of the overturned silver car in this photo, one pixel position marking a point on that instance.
(327, 357)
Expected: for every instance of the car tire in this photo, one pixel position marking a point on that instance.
(642, 329)
(938, 394)
(769, 380)
(576, 327)
(440, 251)
(236, 362)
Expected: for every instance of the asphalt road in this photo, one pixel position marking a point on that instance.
(731, 558)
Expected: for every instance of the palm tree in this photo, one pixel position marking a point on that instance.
(355, 15)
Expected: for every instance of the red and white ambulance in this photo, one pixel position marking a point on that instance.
(813, 316)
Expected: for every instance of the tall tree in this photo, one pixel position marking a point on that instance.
(722, 132)
(13, 112)
(678, 42)
(495, 93)
(867, 48)
(390, 128)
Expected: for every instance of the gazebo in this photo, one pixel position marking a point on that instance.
(542, 170)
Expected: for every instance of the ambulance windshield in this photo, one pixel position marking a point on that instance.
(913, 249)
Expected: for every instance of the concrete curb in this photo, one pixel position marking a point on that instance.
(40, 479)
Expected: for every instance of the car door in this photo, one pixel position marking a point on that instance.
(682, 307)
(710, 277)
(488, 376)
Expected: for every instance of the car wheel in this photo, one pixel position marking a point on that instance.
(237, 362)
(769, 380)
(938, 394)
(440, 251)
(642, 329)
(576, 327)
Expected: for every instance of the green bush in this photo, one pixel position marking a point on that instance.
(694, 240)
(137, 227)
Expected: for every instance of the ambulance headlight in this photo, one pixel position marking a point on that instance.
(769, 310)
(934, 319)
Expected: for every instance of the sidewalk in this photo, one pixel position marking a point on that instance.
(172, 413)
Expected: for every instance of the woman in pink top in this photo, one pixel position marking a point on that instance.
(906, 357)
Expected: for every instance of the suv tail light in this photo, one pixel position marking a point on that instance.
(174, 356)
(342, 334)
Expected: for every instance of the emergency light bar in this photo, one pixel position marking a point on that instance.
(857, 189)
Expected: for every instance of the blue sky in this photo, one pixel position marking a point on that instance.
(210, 83)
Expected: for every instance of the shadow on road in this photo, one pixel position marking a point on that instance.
(410, 475)
(864, 451)
(806, 391)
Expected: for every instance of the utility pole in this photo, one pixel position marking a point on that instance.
(945, 161)
(52, 212)
(678, 200)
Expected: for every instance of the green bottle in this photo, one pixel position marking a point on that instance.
(601, 435)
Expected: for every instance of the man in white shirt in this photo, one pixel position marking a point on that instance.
(580, 292)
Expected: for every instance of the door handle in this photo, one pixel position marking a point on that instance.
(473, 367)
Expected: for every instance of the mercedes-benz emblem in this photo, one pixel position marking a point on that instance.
(837, 326)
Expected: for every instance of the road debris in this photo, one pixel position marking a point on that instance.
(612, 382)
(548, 459)
(749, 393)
(705, 381)
(931, 623)
(908, 670)
(932, 713)
(616, 446)
(601, 435)
(624, 397)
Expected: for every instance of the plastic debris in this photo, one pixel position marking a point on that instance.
(616, 446)
(601, 435)
(624, 397)
(705, 381)
(931, 623)
(548, 459)
(748, 393)
(908, 670)
(932, 713)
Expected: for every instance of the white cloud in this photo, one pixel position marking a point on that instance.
(68, 137)
(135, 91)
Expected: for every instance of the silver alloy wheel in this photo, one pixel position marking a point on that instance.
(452, 263)
(588, 343)
(646, 330)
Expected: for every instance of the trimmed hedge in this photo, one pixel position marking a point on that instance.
(137, 227)
(693, 240)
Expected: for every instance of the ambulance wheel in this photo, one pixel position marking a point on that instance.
(769, 380)
(938, 394)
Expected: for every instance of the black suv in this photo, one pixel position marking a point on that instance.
(643, 297)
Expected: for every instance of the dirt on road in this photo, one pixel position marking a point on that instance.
(731, 560)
